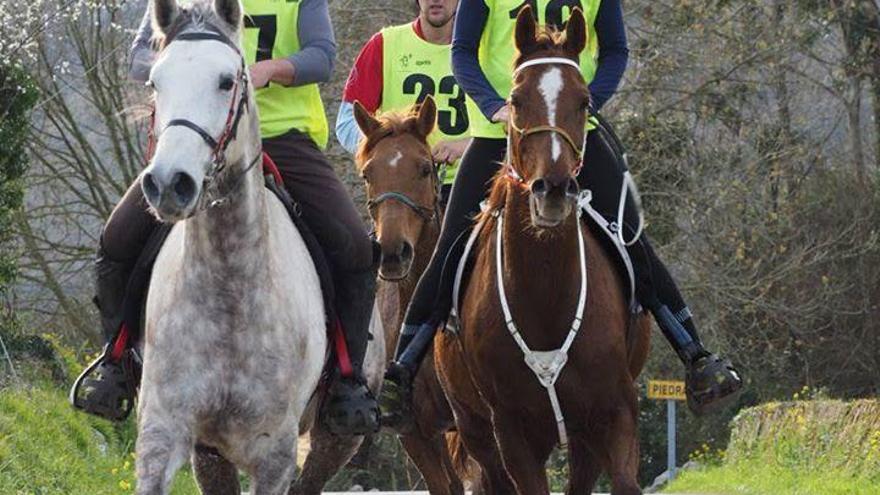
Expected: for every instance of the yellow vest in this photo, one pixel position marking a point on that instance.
(413, 68)
(498, 49)
(271, 32)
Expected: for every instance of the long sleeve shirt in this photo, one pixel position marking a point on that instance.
(313, 63)
(470, 22)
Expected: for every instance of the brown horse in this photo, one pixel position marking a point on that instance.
(403, 196)
(528, 254)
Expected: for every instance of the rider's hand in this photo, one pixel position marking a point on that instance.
(449, 151)
(502, 115)
(280, 71)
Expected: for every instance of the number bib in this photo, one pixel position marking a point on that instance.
(271, 32)
(498, 50)
(412, 69)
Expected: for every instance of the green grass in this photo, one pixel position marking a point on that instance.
(754, 478)
(816, 447)
(48, 448)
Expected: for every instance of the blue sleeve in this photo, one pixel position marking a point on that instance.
(613, 52)
(317, 54)
(470, 20)
(347, 131)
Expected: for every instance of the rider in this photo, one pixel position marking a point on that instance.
(401, 65)
(482, 60)
(289, 47)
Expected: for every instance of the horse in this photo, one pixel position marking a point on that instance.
(522, 376)
(403, 192)
(235, 332)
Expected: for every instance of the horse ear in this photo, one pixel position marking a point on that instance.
(229, 11)
(364, 120)
(427, 117)
(575, 33)
(526, 29)
(164, 13)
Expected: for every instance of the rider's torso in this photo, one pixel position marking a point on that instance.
(271, 32)
(412, 69)
(498, 51)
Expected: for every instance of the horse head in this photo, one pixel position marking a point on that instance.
(402, 184)
(549, 104)
(201, 93)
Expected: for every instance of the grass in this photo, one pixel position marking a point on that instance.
(48, 448)
(801, 447)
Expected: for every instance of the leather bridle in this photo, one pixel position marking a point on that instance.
(237, 107)
(523, 133)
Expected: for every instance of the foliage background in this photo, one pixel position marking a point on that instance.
(753, 128)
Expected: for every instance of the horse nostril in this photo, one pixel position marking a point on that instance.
(150, 188)
(539, 187)
(406, 251)
(573, 188)
(184, 188)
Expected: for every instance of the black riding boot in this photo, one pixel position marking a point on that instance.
(351, 408)
(710, 382)
(107, 386)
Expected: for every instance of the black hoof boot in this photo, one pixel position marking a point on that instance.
(711, 384)
(350, 408)
(396, 399)
(107, 388)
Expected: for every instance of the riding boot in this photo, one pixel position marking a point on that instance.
(710, 382)
(351, 408)
(107, 386)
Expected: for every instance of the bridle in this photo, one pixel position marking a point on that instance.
(428, 214)
(546, 128)
(237, 107)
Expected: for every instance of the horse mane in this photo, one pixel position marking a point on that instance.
(549, 41)
(199, 16)
(390, 124)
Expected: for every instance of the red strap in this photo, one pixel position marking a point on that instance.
(120, 344)
(342, 351)
(269, 168)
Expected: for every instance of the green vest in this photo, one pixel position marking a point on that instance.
(498, 49)
(271, 32)
(412, 69)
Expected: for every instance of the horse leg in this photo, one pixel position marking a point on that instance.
(161, 451)
(274, 472)
(523, 463)
(584, 468)
(327, 455)
(476, 433)
(622, 444)
(214, 474)
(425, 453)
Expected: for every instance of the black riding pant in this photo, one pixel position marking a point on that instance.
(602, 174)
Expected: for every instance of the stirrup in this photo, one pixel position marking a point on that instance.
(711, 384)
(396, 400)
(350, 408)
(107, 388)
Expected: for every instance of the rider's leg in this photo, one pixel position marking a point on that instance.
(430, 303)
(710, 379)
(123, 238)
(332, 216)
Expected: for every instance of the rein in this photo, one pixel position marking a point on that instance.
(237, 107)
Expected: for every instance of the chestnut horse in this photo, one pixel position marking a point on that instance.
(403, 192)
(527, 296)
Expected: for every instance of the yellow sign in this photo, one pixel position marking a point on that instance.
(666, 390)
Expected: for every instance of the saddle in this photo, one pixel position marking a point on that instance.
(135, 298)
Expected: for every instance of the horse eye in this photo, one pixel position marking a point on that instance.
(427, 169)
(226, 83)
(150, 84)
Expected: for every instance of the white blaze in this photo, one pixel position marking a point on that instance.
(396, 159)
(550, 87)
